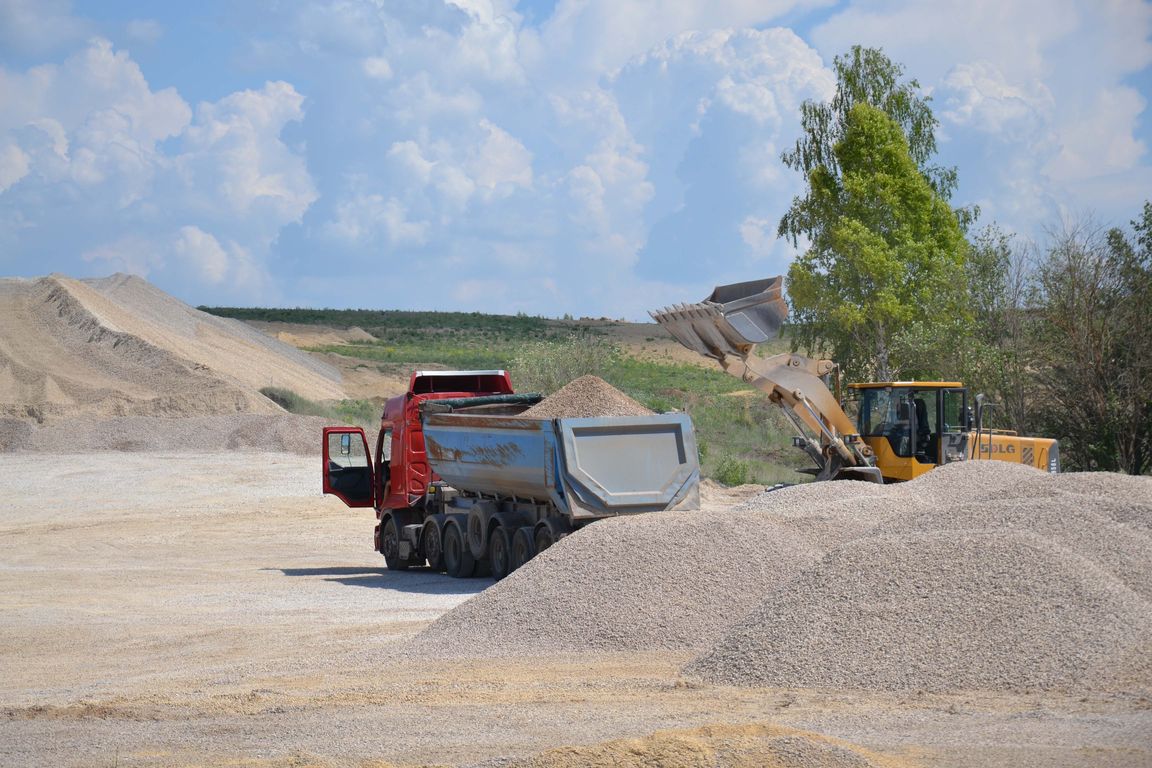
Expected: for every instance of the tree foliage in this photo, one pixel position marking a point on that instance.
(886, 250)
(865, 76)
(1092, 297)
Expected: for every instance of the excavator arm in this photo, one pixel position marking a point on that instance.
(728, 325)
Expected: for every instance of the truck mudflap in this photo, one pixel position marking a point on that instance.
(625, 465)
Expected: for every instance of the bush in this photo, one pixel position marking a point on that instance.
(731, 471)
(360, 413)
(546, 366)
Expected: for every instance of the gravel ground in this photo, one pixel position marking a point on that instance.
(187, 609)
(586, 397)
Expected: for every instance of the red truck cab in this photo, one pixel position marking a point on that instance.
(396, 478)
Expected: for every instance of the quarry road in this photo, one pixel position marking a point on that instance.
(195, 609)
(118, 568)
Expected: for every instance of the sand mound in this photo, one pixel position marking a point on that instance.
(118, 346)
(716, 746)
(586, 397)
(979, 575)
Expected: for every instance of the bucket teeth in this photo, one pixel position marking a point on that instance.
(731, 321)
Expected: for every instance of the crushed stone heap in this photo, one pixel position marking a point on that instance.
(586, 397)
(980, 575)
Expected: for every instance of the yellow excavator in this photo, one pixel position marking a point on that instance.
(902, 429)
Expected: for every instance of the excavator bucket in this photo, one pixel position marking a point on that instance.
(732, 320)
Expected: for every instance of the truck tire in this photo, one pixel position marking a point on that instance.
(523, 547)
(477, 543)
(500, 553)
(544, 538)
(390, 547)
(432, 545)
(458, 560)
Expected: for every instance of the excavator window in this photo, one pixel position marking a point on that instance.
(927, 434)
(887, 412)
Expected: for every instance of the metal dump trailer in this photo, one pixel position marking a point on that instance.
(513, 486)
(463, 482)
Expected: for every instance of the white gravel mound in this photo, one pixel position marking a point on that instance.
(980, 575)
(586, 397)
(669, 580)
(937, 612)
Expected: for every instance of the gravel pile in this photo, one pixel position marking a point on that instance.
(1007, 578)
(982, 575)
(586, 397)
(937, 612)
(284, 433)
(672, 580)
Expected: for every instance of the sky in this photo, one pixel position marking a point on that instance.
(587, 157)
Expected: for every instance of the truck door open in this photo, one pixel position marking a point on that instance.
(348, 466)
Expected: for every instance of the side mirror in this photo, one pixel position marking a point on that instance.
(345, 444)
(969, 419)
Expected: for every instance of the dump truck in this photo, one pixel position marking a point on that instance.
(462, 482)
(902, 429)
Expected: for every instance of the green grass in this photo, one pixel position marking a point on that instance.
(740, 436)
(358, 413)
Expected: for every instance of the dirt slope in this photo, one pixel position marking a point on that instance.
(119, 346)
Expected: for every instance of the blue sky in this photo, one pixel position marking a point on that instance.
(590, 157)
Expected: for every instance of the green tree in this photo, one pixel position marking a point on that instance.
(864, 76)
(886, 251)
(878, 281)
(999, 354)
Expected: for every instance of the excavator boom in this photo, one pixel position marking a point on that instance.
(728, 325)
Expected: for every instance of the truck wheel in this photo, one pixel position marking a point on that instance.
(476, 533)
(432, 545)
(544, 538)
(458, 561)
(390, 547)
(500, 553)
(523, 547)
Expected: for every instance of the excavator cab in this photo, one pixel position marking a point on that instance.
(912, 426)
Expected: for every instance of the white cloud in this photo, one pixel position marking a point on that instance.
(589, 38)
(14, 166)
(377, 68)
(95, 162)
(147, 31)
(134, 254)
(233, 155)
(500, 160)
(1034, 96)
(37, 27)
(361, 219)
(202, 253)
